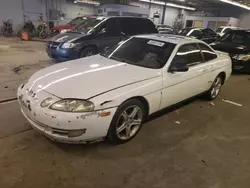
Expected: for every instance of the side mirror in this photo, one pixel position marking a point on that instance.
(178, 68)
(102, 31)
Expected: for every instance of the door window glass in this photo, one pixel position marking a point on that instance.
(208, 54)
(188, 54)
(195, 33)
(109, 28)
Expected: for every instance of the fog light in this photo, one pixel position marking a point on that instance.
(76, 133)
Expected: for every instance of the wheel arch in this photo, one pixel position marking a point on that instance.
(223, 76)
(144, 102)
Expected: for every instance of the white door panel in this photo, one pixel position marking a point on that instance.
(182, 85)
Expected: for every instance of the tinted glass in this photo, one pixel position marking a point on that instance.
(208, 32)
(208, 54)
(219, 30)
(184, 31)
(89, 24)
(188, 54)
(236, 37)
(128, 26)
(146, 26)
(141, 52)
(195, 33)
(110, 27)
(227, 30)
(75, 20)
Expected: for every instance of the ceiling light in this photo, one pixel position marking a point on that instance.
(236, 4)
(168, 4)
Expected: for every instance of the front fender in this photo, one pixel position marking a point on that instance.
(149, 89)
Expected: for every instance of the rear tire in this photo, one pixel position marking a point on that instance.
(215, 89)
(127, 121)
(88, 51)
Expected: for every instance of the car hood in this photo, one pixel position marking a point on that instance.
(61, 27)
(67, 37)
(88, 77)
(230, 48)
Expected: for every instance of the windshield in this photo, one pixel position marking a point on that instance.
(88, 25)
(236, 37)
(185, 31)
(219, 30)
(141, 52)
(77, 20)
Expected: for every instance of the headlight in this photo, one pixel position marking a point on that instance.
(68, 45)
(64, 30)
(242, 57)
(73, 105)
(46, 102)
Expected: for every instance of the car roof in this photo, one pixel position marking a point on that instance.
(175, 39)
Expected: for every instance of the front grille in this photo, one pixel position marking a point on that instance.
(52, 45)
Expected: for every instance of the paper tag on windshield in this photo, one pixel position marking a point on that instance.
(156, 43)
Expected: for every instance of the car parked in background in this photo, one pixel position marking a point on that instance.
(66, 27)
(165, 29)
(237, 44)
(94, 38)
(224, 29)
(111, 94)
(205, 34)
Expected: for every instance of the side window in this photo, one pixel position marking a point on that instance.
(129, 26)
(196, 33)
(226, 30)
(208, 33)
(188, 54)
(110, 27)
(147, 26)
(208, 54)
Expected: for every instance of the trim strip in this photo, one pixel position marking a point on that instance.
(121, 87)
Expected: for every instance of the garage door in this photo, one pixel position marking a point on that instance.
(32, 10)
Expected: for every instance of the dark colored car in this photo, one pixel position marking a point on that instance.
(96, 35)
(237, 44)
(205, 34)
(166, 29)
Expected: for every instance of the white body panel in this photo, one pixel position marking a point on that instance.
(108, 83)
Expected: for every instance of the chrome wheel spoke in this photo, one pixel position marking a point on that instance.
(128, 131)
(125, 116)
(134, 112)
(121, 128)
(129, 122)
(136, 122)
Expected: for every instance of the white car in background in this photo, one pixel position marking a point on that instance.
(224, 29)
(111, 94)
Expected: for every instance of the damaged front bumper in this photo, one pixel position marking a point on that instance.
(63, 127)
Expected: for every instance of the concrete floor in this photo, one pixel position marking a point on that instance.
(207, 148)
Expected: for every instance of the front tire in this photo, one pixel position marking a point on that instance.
(127, 121)
(88, 51)
(215, 89)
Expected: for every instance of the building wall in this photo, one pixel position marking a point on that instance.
(170, 15)
(245, 21)
(23, 10)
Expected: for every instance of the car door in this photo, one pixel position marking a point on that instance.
(210, 64)
(178, 86)
(108, 34)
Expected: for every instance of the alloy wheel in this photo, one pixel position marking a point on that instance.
(215, 90)
(129, 122)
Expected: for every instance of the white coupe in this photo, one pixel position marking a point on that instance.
(111, 94)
